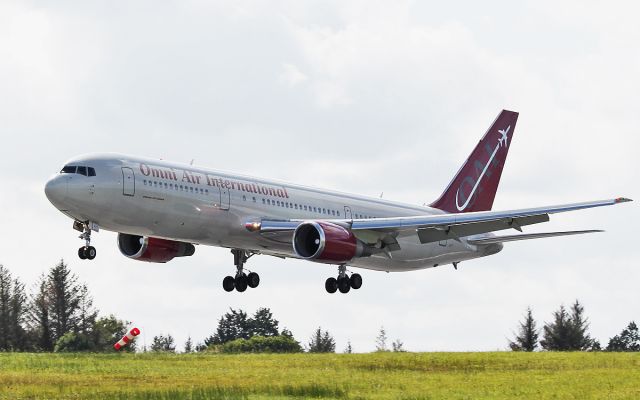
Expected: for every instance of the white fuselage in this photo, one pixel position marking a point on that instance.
(179, 202)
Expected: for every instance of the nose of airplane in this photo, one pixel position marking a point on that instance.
(56, 190)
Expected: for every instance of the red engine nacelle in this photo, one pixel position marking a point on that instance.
(151, 249)
(327, 242)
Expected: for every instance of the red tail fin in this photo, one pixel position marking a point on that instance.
(474, 186)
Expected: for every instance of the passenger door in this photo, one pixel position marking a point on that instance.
(128, 182)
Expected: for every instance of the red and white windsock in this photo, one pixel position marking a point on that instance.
(127, 338)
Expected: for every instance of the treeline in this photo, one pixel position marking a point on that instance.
(57, 315)
(569, 331)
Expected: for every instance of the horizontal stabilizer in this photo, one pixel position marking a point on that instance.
(527, 236)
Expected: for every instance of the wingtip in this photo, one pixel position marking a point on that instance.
(623, 200)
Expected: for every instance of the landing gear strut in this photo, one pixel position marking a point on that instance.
(343, 282)
(86, 252)
(241, 281)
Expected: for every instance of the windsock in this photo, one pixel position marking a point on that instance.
(127, 338)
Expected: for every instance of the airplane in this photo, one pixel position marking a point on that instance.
(161, 210)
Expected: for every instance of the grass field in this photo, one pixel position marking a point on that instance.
(355, 376)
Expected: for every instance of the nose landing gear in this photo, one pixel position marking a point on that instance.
(241, 281)
(86, 252)
(343, 282)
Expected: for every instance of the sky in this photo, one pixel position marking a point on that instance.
(367, 97)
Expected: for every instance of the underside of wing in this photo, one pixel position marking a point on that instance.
(527, 236)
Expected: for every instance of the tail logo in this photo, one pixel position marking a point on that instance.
(501, 141)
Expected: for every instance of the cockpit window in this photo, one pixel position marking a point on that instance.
(82, 170)
(69, 169)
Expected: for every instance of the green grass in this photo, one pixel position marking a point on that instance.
(402, 376)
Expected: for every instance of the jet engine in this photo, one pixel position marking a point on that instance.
(326, 242)
(143, 248)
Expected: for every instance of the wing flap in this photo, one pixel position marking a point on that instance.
(513, 238)
(456, 231)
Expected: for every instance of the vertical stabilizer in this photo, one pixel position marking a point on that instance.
(474, 186)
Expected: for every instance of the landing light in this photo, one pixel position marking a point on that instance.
(252, 226)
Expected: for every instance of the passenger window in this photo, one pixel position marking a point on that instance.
(165, 185)
(244, 198)
(92, 171)
(338, 212)
(263, 201)
(333, 212)
(254, 199)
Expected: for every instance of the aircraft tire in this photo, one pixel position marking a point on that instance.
(343, 285)
(228, 283)
(81, 253)
(90, 252)
(253, 280)
(241, 283)
(331, 285)
(355, 281)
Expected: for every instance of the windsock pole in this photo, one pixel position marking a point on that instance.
(127, 338)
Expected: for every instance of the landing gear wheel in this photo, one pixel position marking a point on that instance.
(228, 283)
(241, 283)
(90, 252)
(331, 285)
(81, 253)
(343, 285)
(253, 280)
(355, 281)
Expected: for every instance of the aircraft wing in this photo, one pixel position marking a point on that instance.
(433, 228)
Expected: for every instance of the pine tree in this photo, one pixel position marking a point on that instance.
(568, 332)
(86, 313)
(18, 317)
(397, 346)
(263, 323)
(527, 337)
(188, 345)
(5, 308)
(64, 301)
(163, 343)
(322, 342)
(627, 340)
(233, 325)
(39, 319)
(381, 340)
(348, 349)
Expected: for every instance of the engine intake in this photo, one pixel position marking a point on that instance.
(327, 242)
(150, 249)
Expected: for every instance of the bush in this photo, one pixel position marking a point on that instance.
(261, 344)
(73, 342)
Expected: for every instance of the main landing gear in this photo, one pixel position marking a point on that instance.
(344, 283)
(241, 281)
(86, 252)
